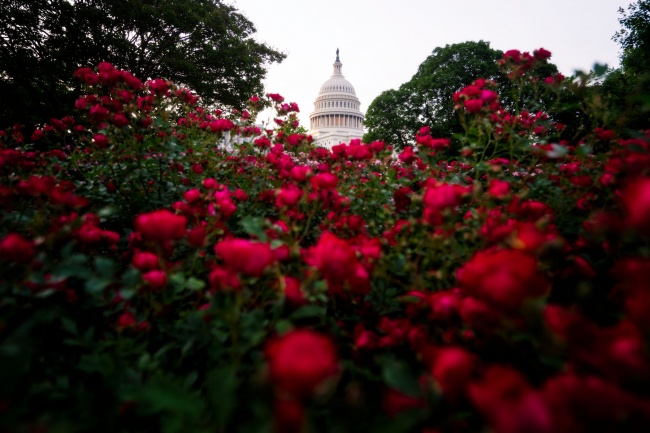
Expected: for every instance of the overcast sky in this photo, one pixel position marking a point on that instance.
(383, 42)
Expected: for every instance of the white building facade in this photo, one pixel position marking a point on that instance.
(337, 117)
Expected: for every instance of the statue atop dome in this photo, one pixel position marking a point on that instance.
(337, 55)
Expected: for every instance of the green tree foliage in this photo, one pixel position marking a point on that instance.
(388, 119)
(427, 98)
(205, 45)
(626, 91)
(634, 37)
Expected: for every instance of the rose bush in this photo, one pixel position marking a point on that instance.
(165, 267)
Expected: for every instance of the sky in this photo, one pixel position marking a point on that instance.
(383, 42)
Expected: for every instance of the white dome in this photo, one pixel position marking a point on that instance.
(337, 116)
(337, 84)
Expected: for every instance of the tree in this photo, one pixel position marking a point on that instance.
(205, 45)
(387, 119)
(634, 37)
(626, 90)
(427, 98)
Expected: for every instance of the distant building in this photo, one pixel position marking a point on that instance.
(337, 117)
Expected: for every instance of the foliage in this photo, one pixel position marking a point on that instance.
(165, 267)
(204, 44)
(426, 99)
(445, 71)
(625, 90)
(388, 118)
(634, 37)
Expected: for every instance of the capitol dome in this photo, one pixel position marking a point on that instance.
(337, 117)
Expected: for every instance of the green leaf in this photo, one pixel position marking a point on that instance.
(221, 386)
(72, 266)
(309, 311)
(283, 326)
(397, 375)
(127, 294)
(178, 280)
(131, 278)
(69, 325)
(96, 286)
(276, 243)
(195, 284)
(180, 407)
(600, 70)
(105, 267)
(106, 211)
(254, 226)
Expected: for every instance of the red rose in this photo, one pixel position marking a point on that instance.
(473, 105)
(223, 279)
(514, 55)
(323, 181)
(223, 200)
(240, 194)
(37, 134)
(15, 248)
(498, 188)
(477, 314)
(542, 54)
(192, 195)
(196, 237)
(509, 403)
(275, 97)
(636, 201)
(244, 256)
(161, 225)
(407, 156)
(488, 96)
(155, 279)
(300, 361)
(120, 120)
(145, 261)
(334, 258)
(210, 183)
(126, 320)
(395, 402)
(262, 142)
(292, 291)
(98, 113)
(502, 278)
(220, 125)
(452, 368)
(288, 196)
(158, 86)
(100, 140)
(443, 196)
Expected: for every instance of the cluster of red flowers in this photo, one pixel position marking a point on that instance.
(476, 97)
(511, 294)
(516, 63)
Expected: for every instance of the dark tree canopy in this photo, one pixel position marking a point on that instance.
(388, 119)
(426, 99)
(634, 37)
(626, 91)
(205, 45)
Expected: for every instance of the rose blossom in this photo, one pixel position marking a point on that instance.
(300, 361)
(244, 256)
(502, 278)
(161, 225)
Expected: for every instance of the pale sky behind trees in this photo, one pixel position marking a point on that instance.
(383, 42)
